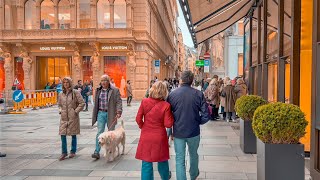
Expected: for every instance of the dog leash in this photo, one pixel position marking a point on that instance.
(115, 120)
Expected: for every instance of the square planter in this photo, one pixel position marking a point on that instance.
(248, 140)
(280, 161)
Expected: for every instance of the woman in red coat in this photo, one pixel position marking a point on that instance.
(153, 117)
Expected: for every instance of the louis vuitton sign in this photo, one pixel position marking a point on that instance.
(114, 47)
(58, 48)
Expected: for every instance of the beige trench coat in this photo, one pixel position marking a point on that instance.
(70, 104)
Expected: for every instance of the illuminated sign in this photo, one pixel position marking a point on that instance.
(114, 47)
(52, 48)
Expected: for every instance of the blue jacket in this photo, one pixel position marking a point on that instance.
(189, 109)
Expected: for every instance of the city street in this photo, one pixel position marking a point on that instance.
(32, 144)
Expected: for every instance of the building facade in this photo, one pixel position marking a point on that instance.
(181, 53)
(42, 41)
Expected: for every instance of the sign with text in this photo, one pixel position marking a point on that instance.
(114, 47)
(58, 48)
(199, 63)
(206, 65)
(156, 66)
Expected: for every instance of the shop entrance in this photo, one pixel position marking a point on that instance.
(51, 69)
(115, 67)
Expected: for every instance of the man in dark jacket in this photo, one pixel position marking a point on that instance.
(190, 110)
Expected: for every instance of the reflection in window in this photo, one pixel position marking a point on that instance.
(87, 69)
(287, 82)
(103, 14)
(115, 67)
(64, 14)
(30, 14)
(272, 82)
(18, 72)
(272, 30)
(47, 14)
(10, 9)
(84, 13)
(255, 80)
(240, 64)
(287, 29)
(120, 11)
(50, 69)
(2, 75)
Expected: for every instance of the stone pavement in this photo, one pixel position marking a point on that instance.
(32, 144)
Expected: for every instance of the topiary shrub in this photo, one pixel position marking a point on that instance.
(246, 105)
(279, 123)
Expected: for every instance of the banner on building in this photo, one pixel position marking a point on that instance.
(157, 66)
(206, 65)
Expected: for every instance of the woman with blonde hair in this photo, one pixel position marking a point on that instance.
(153, 117)
(230, 100)
(70, 103)
(240, 88)
(212, 96)
(223, 96)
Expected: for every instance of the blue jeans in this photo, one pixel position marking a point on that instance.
(102, 121)
(180, 149)
(147, 170)
(73, 144)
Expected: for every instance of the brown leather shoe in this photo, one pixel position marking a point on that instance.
(72, 155)
(63, 157)
(95, 155)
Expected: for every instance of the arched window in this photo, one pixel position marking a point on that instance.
(10, 11)
(30, 14)
(64, 14)
(120, 14)
(47, 14)
(103, 14)
(84, 14)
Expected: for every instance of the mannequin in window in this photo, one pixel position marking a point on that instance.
(122, 86)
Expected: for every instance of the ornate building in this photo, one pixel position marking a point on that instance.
(42, 41)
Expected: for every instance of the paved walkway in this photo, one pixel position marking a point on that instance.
(33, 146)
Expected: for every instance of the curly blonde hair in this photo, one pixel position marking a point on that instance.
(158, 90)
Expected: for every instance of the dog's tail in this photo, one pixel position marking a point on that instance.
(122, 124)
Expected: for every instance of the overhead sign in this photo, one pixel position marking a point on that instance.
(113, 47)
(157, 66)
(206, 65)
(17, 96)
(199, 63)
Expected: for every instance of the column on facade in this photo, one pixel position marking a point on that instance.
(2, 13)
(129, 13)
(111, 13)
(141, 75)
(93, 10)
(26, 65)
(20, 15)
(132, 68)
(95, 61)
(77, 68)
(38, 15)
(73, 15)
(56, 14)
(8, 67)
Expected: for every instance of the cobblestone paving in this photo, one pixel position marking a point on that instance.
(33, 146)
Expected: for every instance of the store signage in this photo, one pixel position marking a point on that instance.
(114, 47)
(157, 66)
(57, 48)
(206, 65)
(199, 63)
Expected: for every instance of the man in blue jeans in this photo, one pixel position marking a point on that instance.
(190, 110)
(107, 109)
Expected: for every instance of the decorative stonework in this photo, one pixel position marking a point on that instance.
(26, 65)
(96, 69)
(132, 63)
(8, 67)
(77, 66)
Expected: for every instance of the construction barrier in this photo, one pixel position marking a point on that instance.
(36, 99)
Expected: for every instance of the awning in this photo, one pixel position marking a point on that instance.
(207, 18)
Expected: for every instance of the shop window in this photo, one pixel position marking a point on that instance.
(52, 69)
(272, 30)
(287, 82)
(18, 72)
(254, 40)
(115, 67)
(120, 14)
(84, 14)
(2, 75)
(255, 80)
(87, 69)
(47, 14)
(240, 64)
(240, 28)
(10, 10)
(64, 14)
(103, 14)
(30, 15)
(272, 82)
(262, 32)
(287, 29)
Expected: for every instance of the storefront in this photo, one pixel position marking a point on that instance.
(2, 75)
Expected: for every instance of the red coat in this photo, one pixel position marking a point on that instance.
(153, 117)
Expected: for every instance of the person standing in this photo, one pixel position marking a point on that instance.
(70, 104)
(189, 113)
(85, 94)
(223, 96)
(154, 115)
(107, 109)
(79, 86)
(240, 88)
(230, 100)
(147, 92)
(129, 93)
(213, 98)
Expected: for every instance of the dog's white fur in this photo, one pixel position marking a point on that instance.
(110, 140)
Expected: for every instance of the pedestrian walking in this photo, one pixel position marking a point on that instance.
(154, 115)
(107, 109)
(129, 93)
(213, 98)
(230, 100)
(85, 94)
(70, 104)
(147, 92)
(190, 110)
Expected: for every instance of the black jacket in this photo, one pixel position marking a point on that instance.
(190, 110)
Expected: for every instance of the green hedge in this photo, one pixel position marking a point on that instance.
(279, 123)
(246, 105)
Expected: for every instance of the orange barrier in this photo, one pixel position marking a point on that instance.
(36, 99)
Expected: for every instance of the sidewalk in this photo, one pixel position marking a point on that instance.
(32, 144)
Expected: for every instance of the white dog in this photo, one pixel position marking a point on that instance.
(110, 140)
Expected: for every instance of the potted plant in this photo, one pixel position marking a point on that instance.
(278, 127)
(245, 107)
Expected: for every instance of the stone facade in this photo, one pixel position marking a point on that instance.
(150, 34)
